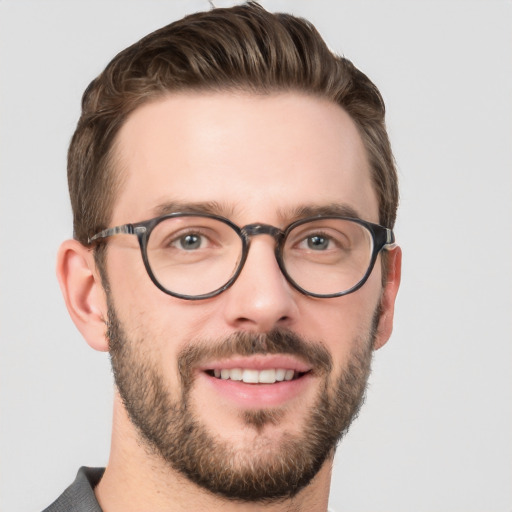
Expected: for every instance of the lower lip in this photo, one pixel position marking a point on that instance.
(256, 396)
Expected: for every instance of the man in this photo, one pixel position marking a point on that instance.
(234, 193)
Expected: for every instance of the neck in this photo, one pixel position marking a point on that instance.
(136, 479)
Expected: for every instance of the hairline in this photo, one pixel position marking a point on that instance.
(114, 159)
(114, 164)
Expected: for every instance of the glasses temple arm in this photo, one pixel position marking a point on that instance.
(126, 229)
(390, 240)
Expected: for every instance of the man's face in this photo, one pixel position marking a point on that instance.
(252, 159)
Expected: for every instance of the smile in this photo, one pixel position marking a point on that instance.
(252, 376)
(259, 381)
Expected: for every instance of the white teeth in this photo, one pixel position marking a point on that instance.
(248, 376)
(288, 375)
(267, 376)
(236, 374)
(280, 374)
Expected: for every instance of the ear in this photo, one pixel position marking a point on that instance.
(388, 297)
(83, 292)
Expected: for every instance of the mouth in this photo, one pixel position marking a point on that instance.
(256, 382)
(254, 376)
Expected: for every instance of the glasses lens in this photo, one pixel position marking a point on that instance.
(192, 255)
(328, 256)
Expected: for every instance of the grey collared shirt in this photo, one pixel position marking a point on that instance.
(79, 496)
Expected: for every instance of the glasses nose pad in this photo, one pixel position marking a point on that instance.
(277, 234)
(251, 230)
(262, 229)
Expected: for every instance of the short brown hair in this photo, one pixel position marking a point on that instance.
(239, 48)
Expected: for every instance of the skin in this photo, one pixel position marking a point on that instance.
(259, 158)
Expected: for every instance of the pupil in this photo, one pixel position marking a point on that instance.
(190, 242)
(317, 242)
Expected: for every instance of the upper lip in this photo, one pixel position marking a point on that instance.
(258, 362)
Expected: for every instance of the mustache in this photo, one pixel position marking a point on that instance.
(277, 341)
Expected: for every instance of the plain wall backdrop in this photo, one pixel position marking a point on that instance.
(435, 432)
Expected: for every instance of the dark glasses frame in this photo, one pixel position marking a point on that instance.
(383, 239)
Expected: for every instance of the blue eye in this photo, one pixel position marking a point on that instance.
(318, 242)
(190, 242)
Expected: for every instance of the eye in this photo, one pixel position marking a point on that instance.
(318, 242)
(190, 242)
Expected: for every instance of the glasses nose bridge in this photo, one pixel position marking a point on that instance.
(252, 230)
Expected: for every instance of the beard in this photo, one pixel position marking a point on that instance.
(171, 429)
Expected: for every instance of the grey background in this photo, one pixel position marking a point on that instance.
(435, 433)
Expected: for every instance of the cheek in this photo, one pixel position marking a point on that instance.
(160, 324)
(134, 294)
(344, 324)
(142, 309)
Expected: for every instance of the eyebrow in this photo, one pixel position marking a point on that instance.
(210, 207)
(335, 209)
(286, 215)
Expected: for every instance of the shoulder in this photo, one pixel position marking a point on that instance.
(79, 496)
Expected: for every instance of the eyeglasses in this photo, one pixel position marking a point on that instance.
(194, 257)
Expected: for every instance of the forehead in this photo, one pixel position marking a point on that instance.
(256, 157)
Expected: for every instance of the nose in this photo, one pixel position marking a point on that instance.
(260, 299)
